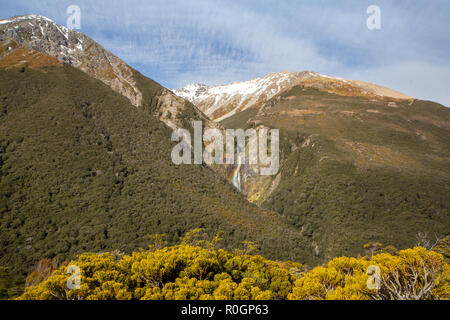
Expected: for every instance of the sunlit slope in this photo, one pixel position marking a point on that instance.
(34, 33)
(355, 169)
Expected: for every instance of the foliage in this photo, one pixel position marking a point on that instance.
(43, 270)
(187, 272)
(443, 247)
(81, 169)
(5, 282)
(177, 272)
(413, 274)
(9, 285)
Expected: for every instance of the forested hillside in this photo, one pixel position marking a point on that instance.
(354, 169)
(82, 169)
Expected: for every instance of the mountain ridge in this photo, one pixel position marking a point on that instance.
(353, 169)
(43, 35)
(222, 101)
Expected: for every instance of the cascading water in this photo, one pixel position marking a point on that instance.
(236, 176)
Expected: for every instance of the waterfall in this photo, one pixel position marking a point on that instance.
(236, 176)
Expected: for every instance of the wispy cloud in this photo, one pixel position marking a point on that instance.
(179, 42)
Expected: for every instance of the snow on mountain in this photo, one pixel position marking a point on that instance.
(45, 36)
(191, 91)
(222, 101)
(217, 102)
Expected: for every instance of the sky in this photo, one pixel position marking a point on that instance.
(217, 42)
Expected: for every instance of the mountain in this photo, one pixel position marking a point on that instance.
(223, 101)
(78, 50)
(72, 47)
(83, 169)
(85, 158)
(360, 163)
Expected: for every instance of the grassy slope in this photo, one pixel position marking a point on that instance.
(81, 169)
(356, 170)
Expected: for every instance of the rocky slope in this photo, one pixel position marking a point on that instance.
(223, 101)
(83, 170)
(72, 47)
(78, 50)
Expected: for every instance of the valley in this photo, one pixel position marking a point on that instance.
(87, 165)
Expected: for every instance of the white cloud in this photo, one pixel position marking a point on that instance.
(177, 42)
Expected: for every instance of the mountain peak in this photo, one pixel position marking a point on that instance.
(222, 101)
(39, 24)
(38, 39)
(25, 17)
(43, 35)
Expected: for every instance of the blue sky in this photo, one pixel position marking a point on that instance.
(216, 42)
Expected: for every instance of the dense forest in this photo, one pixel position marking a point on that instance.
(81, 169)
(354, 170)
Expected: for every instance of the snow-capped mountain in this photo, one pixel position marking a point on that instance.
(33, 35)
(223, 101)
